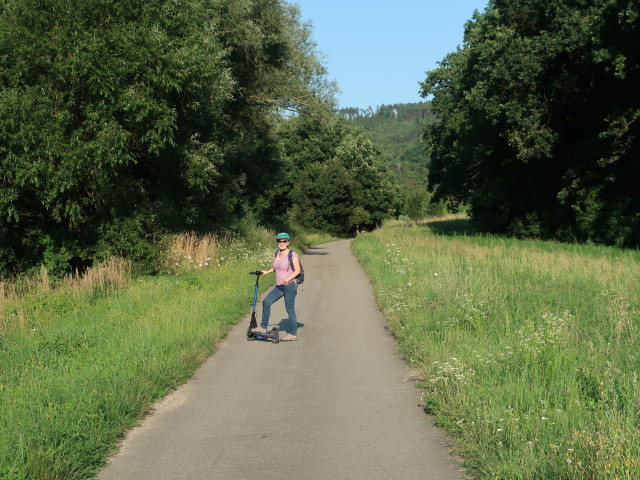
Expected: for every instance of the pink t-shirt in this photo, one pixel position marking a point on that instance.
(282, 267)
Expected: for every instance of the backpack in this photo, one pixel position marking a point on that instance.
(300, 277)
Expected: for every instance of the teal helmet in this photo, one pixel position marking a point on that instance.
(283, 236)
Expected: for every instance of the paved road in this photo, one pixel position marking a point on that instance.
(331, 406)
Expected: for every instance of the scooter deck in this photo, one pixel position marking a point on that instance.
(273, 335)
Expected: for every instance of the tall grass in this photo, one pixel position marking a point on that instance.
(190, 250)
(21, 299)
(527, 350)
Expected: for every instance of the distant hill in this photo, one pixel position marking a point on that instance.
(397, 129)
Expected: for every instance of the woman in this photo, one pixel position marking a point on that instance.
(286, 286)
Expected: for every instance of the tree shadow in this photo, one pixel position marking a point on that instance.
(452, 228)
(315, 251)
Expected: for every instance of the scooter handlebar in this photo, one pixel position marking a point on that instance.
(257, 272)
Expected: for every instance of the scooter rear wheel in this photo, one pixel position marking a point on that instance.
(250, 334)
(276, 335)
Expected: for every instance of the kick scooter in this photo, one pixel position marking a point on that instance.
(274, 334)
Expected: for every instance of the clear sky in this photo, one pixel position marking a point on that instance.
(378, 50)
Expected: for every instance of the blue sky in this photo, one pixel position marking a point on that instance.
(378, 50)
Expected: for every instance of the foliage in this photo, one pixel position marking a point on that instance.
(121, 121)
(527, 351)
(97, 103)
(397, 130)
(334, 177)
(323, 199)
(539, 122)
(419, 203)
(415, 202)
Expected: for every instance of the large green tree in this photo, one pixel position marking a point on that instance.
(102, 104)
(539, 127)
(277, 72)
(121, 120)
(338, 181)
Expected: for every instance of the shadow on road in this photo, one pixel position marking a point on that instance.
(316, 251)
(284, 325)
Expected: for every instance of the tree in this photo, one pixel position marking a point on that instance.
(349, 192)
(121, 121)
(99, 108)
(323, 199)
(276, 72)
(415, 202)
(539, 128)
(377, 192)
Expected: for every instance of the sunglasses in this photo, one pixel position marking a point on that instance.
(283, 241)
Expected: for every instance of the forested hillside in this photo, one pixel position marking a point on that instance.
(398, 129)
(123, 121)
(540, 120)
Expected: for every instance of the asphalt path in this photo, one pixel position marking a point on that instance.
(336, 404)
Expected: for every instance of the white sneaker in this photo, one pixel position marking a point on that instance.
(289, 338)
(259, 329)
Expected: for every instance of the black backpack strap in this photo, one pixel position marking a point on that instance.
(291, 260)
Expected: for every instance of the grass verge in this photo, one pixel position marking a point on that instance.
(78, 371)
(527, 350)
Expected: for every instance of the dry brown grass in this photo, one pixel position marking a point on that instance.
(442, 218)
(104, 278)
(190, 250)
(8, 297)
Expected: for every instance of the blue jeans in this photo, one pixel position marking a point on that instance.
(289, 293)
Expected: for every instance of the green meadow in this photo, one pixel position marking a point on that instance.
(527, 350)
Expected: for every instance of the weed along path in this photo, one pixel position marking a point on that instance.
(332, 405)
